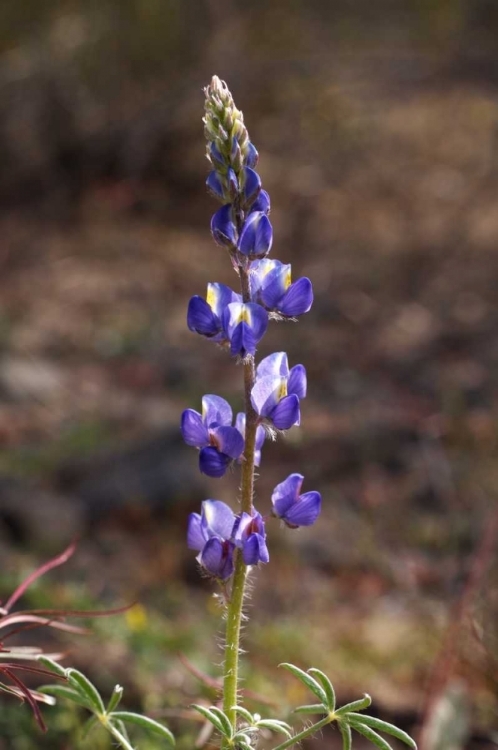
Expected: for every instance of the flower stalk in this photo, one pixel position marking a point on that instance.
(228, 543)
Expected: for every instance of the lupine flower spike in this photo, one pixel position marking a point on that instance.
(237, 321)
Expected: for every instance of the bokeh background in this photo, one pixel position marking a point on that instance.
(377, 126)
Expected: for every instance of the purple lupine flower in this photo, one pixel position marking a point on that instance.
(245, 324)
(240, 424)
(251, 186)
(262, 203)
(223, 227)
(210, 533)
(252, 155)
(271, 286)
(278, 390)
(213, 434)
(224, 187)
(295, 509)
(256, 236)
(249, 535)
(205, 316)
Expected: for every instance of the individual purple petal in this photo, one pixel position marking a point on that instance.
(267, 393)
(213, 463)
(215, 185)
(262, 203)
(219, 296)
(286, 413)
(252, 155)
(233, 184)
(256, 236)
(305, 511)
(260, 439)
(201, 319)
(193, 429)
(217, 558)
(223, 227)
(298, 298)
(255, 550)
(227, 440)
(252, 186)
(274, 366)
(216, 156)
(216, 411)
(217, 518)
(286, 493)
(297, 382)
(275, 285)
(195, 536)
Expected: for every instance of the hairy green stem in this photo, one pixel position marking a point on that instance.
(305, 733)
(236, 603)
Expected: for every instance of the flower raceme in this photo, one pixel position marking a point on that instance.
(238, 321)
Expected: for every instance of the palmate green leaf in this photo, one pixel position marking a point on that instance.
(128, 717)
(358, 705)
(312, 708)
(382, 726)
(309, 681)
(214, 718)
(68, 693)
(86, 688)
(327, 686)
(371, 735)
(347, 739)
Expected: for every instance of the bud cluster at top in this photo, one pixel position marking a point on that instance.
(238, 321)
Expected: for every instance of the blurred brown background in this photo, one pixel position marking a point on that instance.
(377, 126)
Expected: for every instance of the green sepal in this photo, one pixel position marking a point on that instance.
(382, 726)
(327, 686)
(307, 680)
(275, 726)
(86, 688)
(247, 715)
(214, 719)
(359, 705)
(64, 691)
(115, 698)
(245, 745)
(347, 737)
(144, 722)
(312, 708)
(52, 666)
(371, 735)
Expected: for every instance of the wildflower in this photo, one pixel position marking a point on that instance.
(205, 316)
(256, 236)
(210, 533)
(212, 432)
(295, 509)
(277, 391)
(271, 287)
(249, 535)
(245, 324)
